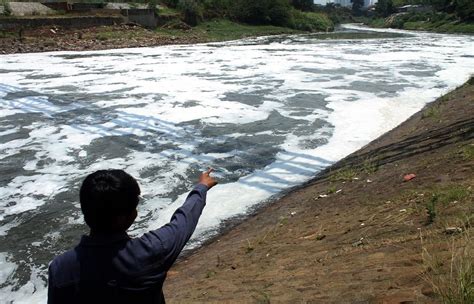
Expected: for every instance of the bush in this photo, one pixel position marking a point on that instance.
(192, 11)
(216, 8)
(303, 5)
(384, 8)
(7, 11)
(465, 9)
(311, 21)
(275, 12)
(171, 3)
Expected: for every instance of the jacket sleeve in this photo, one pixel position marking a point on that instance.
(178, 231)
(167, 242)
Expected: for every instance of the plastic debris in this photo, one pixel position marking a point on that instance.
(452, 230)
(408, 177)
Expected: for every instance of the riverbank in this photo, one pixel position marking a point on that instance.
(384, 225)
(46, 39)
(439, 23)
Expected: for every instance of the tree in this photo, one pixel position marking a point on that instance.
(465, 9)
(192, 11)
(304, 5)
(357, 6)
(276, 12)
(384, 8)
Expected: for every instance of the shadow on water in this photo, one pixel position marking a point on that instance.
(127, 124)
(122, 132)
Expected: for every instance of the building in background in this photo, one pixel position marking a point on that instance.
(345, 3)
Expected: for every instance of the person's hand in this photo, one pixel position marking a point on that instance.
(207, 179)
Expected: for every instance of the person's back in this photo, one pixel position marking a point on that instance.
(108, 266)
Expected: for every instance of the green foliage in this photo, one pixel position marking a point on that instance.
(344, 175)
(465, 9)
(431, 208)
(357, 6)
(306, 21)
(336, 13)
(384, 8)
(216, 8)
(152, 4)
(193, 12)
(171, 3)
(303, 5)
(453, 193)
(274, 12)
(467, 152)
(7, 11)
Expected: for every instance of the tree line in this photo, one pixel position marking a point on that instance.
(297, 14)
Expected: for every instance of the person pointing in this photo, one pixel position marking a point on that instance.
(108, 266)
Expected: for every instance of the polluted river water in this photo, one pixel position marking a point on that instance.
(267, 113)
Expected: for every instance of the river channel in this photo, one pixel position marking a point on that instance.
(267, 113)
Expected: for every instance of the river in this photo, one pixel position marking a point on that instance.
(267, 113)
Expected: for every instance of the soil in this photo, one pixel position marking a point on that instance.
(359, 232)
(46, 39)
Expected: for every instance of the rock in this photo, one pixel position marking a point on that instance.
(321, 237)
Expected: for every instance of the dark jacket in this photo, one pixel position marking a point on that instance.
(119, 269)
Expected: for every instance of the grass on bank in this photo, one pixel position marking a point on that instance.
(448, 256)
(435, 22)
(222, 30)
(451, 275)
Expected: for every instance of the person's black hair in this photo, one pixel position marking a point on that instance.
(106, 194)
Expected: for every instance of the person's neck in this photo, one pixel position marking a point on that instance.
(108, 232)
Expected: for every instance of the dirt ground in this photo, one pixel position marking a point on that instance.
(54, 38)
(359, 233)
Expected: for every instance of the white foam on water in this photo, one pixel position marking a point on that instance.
(154, 95)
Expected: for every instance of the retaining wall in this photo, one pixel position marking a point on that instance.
(70, 22)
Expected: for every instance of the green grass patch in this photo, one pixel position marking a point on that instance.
(344, 174)
(222, 30)
(452, 193)
(467, 152)
(432, 112)
(6, 34)
(168, 11)
(431, 208)
(225, 30)
(311, 22)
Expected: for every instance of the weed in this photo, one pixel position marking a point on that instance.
(345, 174)
(331, 190)
(452, 193)
(369, 167)
(467, 152)
(262, 297)
(249, 248)
(7, 11)
(452, 281)
(283, 221)
(210, 274)
(102, 37)
(431, 208)
(432, 112)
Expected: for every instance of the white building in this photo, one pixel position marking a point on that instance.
(345, 3)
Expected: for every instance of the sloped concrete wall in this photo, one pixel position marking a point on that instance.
(29, 9)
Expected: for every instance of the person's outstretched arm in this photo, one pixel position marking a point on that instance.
(169, 240)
